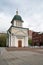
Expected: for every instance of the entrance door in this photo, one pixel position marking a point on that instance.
(19, 43)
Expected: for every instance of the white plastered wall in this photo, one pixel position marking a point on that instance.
(26, 41)
(14, 23)
(9, 40)
(12, 41)
(16, 42)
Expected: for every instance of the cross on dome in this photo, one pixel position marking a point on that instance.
(17, 12)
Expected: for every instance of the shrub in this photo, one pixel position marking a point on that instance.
(30, 42)
(3, 40)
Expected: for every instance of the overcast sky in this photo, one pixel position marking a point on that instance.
(31, 12)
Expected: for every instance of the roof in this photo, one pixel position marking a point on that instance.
(17, 17)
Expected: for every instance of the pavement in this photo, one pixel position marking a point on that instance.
(21, 57)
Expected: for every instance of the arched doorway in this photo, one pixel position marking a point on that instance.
(19, 43)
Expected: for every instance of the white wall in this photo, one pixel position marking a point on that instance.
(26, 41)
(16, 42)
(16, 45)
(17, 23)
(9, 40)
(12, 41)
(14, 23)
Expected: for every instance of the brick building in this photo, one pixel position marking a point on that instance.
(37, 38)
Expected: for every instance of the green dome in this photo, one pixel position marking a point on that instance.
(17, 17)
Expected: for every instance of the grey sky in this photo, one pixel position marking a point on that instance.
(31, 12)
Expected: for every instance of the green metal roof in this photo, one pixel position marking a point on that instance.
(17, 17)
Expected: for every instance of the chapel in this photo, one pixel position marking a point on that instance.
(17, 35)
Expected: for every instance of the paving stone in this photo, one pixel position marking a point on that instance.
(20, 57)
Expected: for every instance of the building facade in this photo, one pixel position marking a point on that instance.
(30, 34)
(17, 35)
(37, 39)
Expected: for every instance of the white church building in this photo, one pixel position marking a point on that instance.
(17, 35)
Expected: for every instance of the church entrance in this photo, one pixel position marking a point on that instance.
(19, 43)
